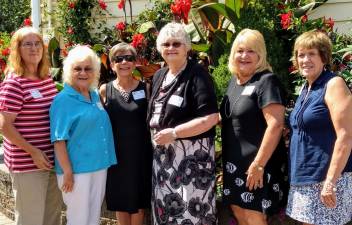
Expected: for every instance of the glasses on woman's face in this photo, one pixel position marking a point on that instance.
(78, 69)
(29, 44)
(120, 58)
(175, 44)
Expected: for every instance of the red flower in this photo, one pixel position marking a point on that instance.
(70, 30)
(5, 52)
(329, 22)
(286, 20)
(137, 40)
(121, 4)
(71, 5)
(181, 8)
(2, 65)
(120, 26)
(102, 4)
(348, 57)
(304, 18)
(27, 22)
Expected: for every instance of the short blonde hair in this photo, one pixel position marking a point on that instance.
(313, 40)
(16, 63)
(255, 40)
(81, 53)
(122, 47)
(176, 31)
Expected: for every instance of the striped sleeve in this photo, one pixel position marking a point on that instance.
(11, 96)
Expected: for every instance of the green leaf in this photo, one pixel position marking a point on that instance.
(53, 44)
(200, 47)
(145, 27)
(59, 86)
(304, 9)
(221, 9)
(98, 47)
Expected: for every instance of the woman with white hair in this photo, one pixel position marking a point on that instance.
(182, 115)
(252, 113)
(82, 137)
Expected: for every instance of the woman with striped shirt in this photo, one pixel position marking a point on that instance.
(25, 98)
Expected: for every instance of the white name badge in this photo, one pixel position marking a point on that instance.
(175, 100)
(36, 93)
(100, 106)
(248, 90)
(138, 94)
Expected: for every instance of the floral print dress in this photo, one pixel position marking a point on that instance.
(183, 183)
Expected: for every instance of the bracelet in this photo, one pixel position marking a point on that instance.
(259, 167)
(331, 186)
(174, 135)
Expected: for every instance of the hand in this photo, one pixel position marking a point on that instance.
(164, 136)
(67, 185)
(328, 194)
(254, 177)
(41, 160)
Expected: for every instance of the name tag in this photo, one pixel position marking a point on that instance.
(100, 106)
(138, 94)
(36, 93)
(248, 90)
(175, 100)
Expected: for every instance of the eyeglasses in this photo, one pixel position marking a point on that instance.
(79, 69)
(28, 45)
(120, 58)
(173, 44)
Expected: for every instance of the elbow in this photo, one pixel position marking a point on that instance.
(276, 126)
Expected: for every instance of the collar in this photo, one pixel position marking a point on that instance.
(75, 94)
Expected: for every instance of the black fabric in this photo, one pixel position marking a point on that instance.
(196, 88)
(128, 186)
(243, 127)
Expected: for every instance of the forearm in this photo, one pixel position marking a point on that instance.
(62, 156)
(196, 126)
(269, 143)
(11, 133)
(341, 153)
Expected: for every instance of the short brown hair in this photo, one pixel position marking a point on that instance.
(121, 47)
(314, 39)
(16, 64)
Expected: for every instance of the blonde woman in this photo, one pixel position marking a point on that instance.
(252, 113)
(25, 97)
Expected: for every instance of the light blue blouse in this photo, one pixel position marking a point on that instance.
(86, 128)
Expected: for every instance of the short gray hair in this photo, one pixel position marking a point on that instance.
(176, 31)
(78, 54)
(122, 47)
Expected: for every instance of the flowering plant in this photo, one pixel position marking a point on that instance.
(4, 52)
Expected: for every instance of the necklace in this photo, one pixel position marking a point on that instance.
(227, 102)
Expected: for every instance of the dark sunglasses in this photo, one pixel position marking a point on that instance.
(120, 58)
(173, 44)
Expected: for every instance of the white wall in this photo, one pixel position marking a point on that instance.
(340, 11)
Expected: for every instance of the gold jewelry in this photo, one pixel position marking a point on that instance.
(330, 186)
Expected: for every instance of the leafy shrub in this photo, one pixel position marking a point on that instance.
(13, 13)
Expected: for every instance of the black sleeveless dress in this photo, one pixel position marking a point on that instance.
(128, 185)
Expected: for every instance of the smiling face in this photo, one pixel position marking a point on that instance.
(245, 60)
(125, 67)
(310, 64)
(31, 50)
(173, 51)
(82, 75)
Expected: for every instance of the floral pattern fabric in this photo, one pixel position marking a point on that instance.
(183, 183)
(304, 203)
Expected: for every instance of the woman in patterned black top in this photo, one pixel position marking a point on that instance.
(125, 99)
(252, 113)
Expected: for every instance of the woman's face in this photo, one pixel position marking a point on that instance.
(309, 62)
(246, 60)
(31, 50)
(123, 63)
(82, 75)
(173, 51)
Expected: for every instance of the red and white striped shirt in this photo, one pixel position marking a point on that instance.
(30, 100)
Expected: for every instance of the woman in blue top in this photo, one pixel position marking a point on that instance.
(82, 135)
(321, 138)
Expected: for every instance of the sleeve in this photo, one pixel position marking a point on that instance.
(60, 120)
(204, 101)
(270, 91)
(11, 96)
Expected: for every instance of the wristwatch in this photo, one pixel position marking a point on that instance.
(174, 135)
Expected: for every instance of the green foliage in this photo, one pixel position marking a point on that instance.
(221, 76)
(5, 39)
(13, 13)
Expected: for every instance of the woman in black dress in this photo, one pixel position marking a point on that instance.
(125, 99)
(252, 113)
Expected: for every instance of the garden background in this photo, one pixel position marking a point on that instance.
(212, 25)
